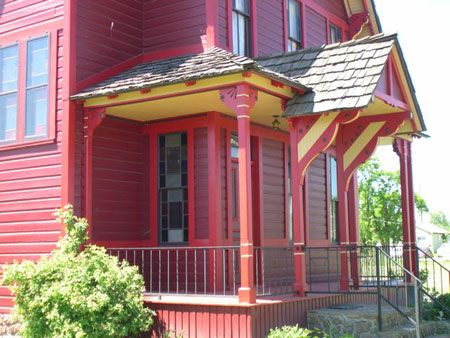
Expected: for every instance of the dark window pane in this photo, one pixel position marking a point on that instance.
(175, 215)
(164, 209)
(185, 194)
(37, 62)
(184, 153)
(173, 140)
(162, 181)
(173, 180)
(164, 195)
(162, 141)
(164, 236)
(173, 160)
(183, 139)
(36, 112)
(184, 180)
(234, 140)
(186, 208)
(162, 168)
(184, 166)
(186, 221)
(164, 222)
(186, 235)
(162, 154)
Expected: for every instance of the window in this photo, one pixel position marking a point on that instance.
(26, 120)
(335, 34)
(9, 76)
(173, 188)
(334, 203)
(241, 27)
(294, 25)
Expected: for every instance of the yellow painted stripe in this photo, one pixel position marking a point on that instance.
(314, 134)
(358, 146)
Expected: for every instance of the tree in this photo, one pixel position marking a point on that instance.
(79, 291)
(439, 219)
(380, 205)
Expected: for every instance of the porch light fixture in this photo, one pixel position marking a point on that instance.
(276, 123)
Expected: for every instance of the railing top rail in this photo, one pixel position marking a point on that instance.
(178, 248)
(400, 266)
(434, 261)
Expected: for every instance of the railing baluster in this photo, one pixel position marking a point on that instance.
(168, 271)
(195, 271)
(177, 272)
(257, 272)
(214, 275)
(159, 271)
(204, 271)
(224, 252)
(234, 273)
(185, 270)
(151, 270)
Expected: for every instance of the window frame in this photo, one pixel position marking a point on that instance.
(334, 240)
(249, 29)
(22, 42)
(332, 26)
(290, 39)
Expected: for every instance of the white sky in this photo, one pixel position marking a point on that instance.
(422, 27)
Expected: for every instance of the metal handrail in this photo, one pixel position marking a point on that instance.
(431, 257)
(417, 282)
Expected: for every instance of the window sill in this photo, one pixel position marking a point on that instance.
(26, 144)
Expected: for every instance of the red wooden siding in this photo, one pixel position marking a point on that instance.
(198, 320)
(317, 199)
(316, 28)
(120, 182)
(201, 183)
(223, 22)
(273, 189)
(270, 26)
(335, 7)
(30, 188)
(174, 23)
(223, 182)
(16, 15)
(108, 32)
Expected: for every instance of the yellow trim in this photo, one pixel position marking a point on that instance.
(314, 134)
(359, 144)
(205, 84)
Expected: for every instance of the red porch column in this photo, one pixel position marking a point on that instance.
(353, 228)
(241, 99)
(92, 119)
(403, 149)
(298, 224)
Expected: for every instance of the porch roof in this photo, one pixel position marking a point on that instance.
(213, 62)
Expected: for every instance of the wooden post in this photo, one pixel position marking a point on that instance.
(298, 226)
(353, 219)
(92, 119)
(403, 149)
(241, 99)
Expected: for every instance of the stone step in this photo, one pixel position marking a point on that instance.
(355, 319)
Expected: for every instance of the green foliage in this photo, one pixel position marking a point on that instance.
(294, 332)
(434, 311)
(380, 202)
(78, 291)
(298, 332)
(439, 219)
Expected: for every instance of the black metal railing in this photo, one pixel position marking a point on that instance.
(434, 275)
(209, 270)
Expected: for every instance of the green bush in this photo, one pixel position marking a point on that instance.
(434, 311)
(79, 291)
(294, 332)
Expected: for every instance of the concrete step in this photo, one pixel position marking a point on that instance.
(438, 329)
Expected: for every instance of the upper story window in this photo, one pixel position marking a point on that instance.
(294, 25)
(335, 34)
(241, 27)
(334, 202)
(9, 78)
(24, 104)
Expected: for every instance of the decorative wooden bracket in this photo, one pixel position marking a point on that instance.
(240, 98)
(357, 141)
(93, 118)
(357, 22)
(315, 133)
(401, 148)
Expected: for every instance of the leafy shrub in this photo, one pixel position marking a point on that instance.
(293, 332)
(434, 310)
(78, 291)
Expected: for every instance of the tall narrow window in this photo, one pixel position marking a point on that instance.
(173, 188)
(36, 112)
(9, 74)
(335, 34)
(241, 27)
(294, 25)
(334, 203)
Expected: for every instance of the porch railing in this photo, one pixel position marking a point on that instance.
(209, 270)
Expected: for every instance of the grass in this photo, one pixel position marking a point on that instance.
(438, 278)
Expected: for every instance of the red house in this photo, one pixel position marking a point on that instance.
(213, 143)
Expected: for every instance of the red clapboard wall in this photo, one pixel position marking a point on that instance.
(270, 26)
(30, 177)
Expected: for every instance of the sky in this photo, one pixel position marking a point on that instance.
(422, 27)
